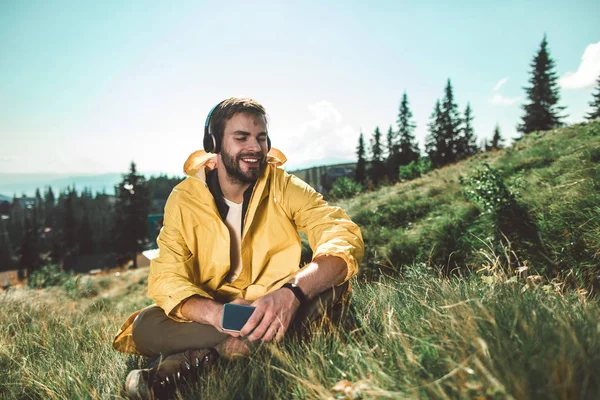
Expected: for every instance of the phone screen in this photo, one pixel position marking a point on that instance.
(235, 316)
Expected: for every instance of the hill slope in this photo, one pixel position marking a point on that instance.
(544, 192)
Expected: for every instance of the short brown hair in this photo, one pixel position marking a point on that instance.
(228, 108)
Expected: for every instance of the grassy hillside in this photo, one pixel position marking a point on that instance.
(524, 325)
(544, 195)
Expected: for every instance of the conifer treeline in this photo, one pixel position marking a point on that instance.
(50, 229)
(451, 136)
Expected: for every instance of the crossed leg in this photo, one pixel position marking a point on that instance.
(156, 334)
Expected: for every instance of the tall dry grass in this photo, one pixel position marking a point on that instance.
(491, 335)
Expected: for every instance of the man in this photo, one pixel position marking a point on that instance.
(230, 235)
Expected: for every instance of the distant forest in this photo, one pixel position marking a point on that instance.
(70, 227)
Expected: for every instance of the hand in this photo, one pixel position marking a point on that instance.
(209, 312)
(272, 316)
(218, 318)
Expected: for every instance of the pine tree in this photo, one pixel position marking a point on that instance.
(85, 237)
(408, 147)
(468, 141)
(39, 209)
(49, 207)
(542, 111)
(392, 155)
(497, 140)
(377, 171)
(29, 258)
(104, 217)
(6, 250)
(436, 146)
(595, 103)
(451, 123)
(390, 141)
(361, 164)
(16, 226)
(132, 208)
(70, 225)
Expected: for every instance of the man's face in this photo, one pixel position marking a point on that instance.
(244, 148)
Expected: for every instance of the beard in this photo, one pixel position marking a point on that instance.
(235, 172)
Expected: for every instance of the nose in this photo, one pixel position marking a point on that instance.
(254, 145)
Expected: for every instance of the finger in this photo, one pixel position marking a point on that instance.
(261, 329)
(271, 332)
(253, 321)
(232, 333)
(241, 301)
(219, 326)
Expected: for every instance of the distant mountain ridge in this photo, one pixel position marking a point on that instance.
(27, 183)
(20, 184)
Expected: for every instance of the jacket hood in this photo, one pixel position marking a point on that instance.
(199, 160)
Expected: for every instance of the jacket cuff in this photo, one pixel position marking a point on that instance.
(176, 314)
(351, 263)
(171, 302)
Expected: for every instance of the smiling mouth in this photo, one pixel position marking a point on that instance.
(251, 161)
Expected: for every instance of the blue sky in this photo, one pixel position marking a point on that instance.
(86, 87)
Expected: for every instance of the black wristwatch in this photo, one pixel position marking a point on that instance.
(297, 292)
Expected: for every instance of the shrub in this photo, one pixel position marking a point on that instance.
(415, 169)
(75, 287)
(344, 188)
(53, 275)
(486, 188)
(48, 275)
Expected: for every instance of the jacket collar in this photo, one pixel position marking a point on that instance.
(200, 162)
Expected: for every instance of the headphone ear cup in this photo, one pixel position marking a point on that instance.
(268, 144)
(215, 144)
(208, 142)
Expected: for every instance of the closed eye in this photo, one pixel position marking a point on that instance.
(243, 138)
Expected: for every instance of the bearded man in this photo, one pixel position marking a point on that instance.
(230, 235)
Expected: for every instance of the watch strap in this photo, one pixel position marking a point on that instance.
(297, 292)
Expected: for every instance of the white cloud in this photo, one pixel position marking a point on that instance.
(588, 70)
(500, 83)
(498, 99)
(324, 136)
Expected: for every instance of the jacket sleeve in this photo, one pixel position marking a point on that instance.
(170, 280)
(329, 229)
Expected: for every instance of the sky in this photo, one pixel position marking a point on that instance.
(87, 87)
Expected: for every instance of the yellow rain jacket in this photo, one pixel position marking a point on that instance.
(193, 244)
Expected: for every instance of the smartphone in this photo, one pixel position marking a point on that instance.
(235, 316)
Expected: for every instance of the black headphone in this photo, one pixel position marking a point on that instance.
(211, 145)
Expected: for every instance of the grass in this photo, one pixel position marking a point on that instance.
(489, 335)
(554, 224)
(452, 301)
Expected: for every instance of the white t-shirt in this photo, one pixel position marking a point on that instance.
(234, 224)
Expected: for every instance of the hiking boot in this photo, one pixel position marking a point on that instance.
(161, 379)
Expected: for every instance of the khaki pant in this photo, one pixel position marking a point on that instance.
(156, 334)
